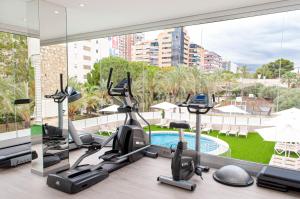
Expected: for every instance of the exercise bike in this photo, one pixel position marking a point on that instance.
(185, 163)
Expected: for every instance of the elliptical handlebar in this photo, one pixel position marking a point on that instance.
(109, 82)
(59, 96)
(129, 84)
(118, 91)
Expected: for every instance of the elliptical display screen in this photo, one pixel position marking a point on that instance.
(200, 99)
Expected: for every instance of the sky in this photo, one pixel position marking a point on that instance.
(255, 40)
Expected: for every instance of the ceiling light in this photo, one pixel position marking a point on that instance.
(56, 12)
(81, 5)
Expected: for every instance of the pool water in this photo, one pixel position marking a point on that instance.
(169, 139)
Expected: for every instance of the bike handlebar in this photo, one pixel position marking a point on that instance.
(195, 107)
(61, 82)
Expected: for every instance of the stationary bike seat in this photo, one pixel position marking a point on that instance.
(180, 125)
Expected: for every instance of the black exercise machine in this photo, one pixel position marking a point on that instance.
(130, 143)
(17, 151)
(280, 179)
(55, 141)
(186, 163)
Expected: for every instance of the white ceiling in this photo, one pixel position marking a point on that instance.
(99, 15)
(103, 17)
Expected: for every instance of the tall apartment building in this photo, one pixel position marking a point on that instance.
(125, 43)
(104, 47)
(196, 55)
(80, 59)
(212, 61)
(146, 51)
(82, 55)
(173, 47)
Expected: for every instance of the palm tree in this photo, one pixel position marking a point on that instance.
(176, 82)
(90, 98)
(227, 79)
(23, 111)
(6, 97)
(216, 81)
(197, 81)
(74, 107)
(243, 70)
(290, 78)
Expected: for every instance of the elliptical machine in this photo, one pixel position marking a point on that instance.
(130, 143)
(185, 163)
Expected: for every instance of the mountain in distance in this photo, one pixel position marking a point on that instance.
(251, 67)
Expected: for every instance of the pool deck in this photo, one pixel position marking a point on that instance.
(136, 181)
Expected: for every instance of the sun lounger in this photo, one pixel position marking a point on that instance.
(163, 124)
(225, 129)
(287, 148)
(243, 131)
(193, 126)
(280, 147)
(285, 162)
(233, 130)
(207, 128)
(293, 148)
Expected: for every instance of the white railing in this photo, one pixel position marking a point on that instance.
(106, 119)
(250, 120)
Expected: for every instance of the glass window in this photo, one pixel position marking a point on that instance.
(250, 64)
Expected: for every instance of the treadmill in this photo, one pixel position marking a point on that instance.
(14, 152)
(279, 179)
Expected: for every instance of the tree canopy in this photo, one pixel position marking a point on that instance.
(271, 69)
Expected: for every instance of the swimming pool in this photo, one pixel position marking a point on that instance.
(208, 144)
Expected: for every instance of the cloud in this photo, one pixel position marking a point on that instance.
(253, 40)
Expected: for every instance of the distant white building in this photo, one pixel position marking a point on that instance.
(146, 51)
(230, 66)
(82, 55)
(80, 59)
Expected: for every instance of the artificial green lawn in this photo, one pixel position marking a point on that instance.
(36, 130)
(253, 148)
